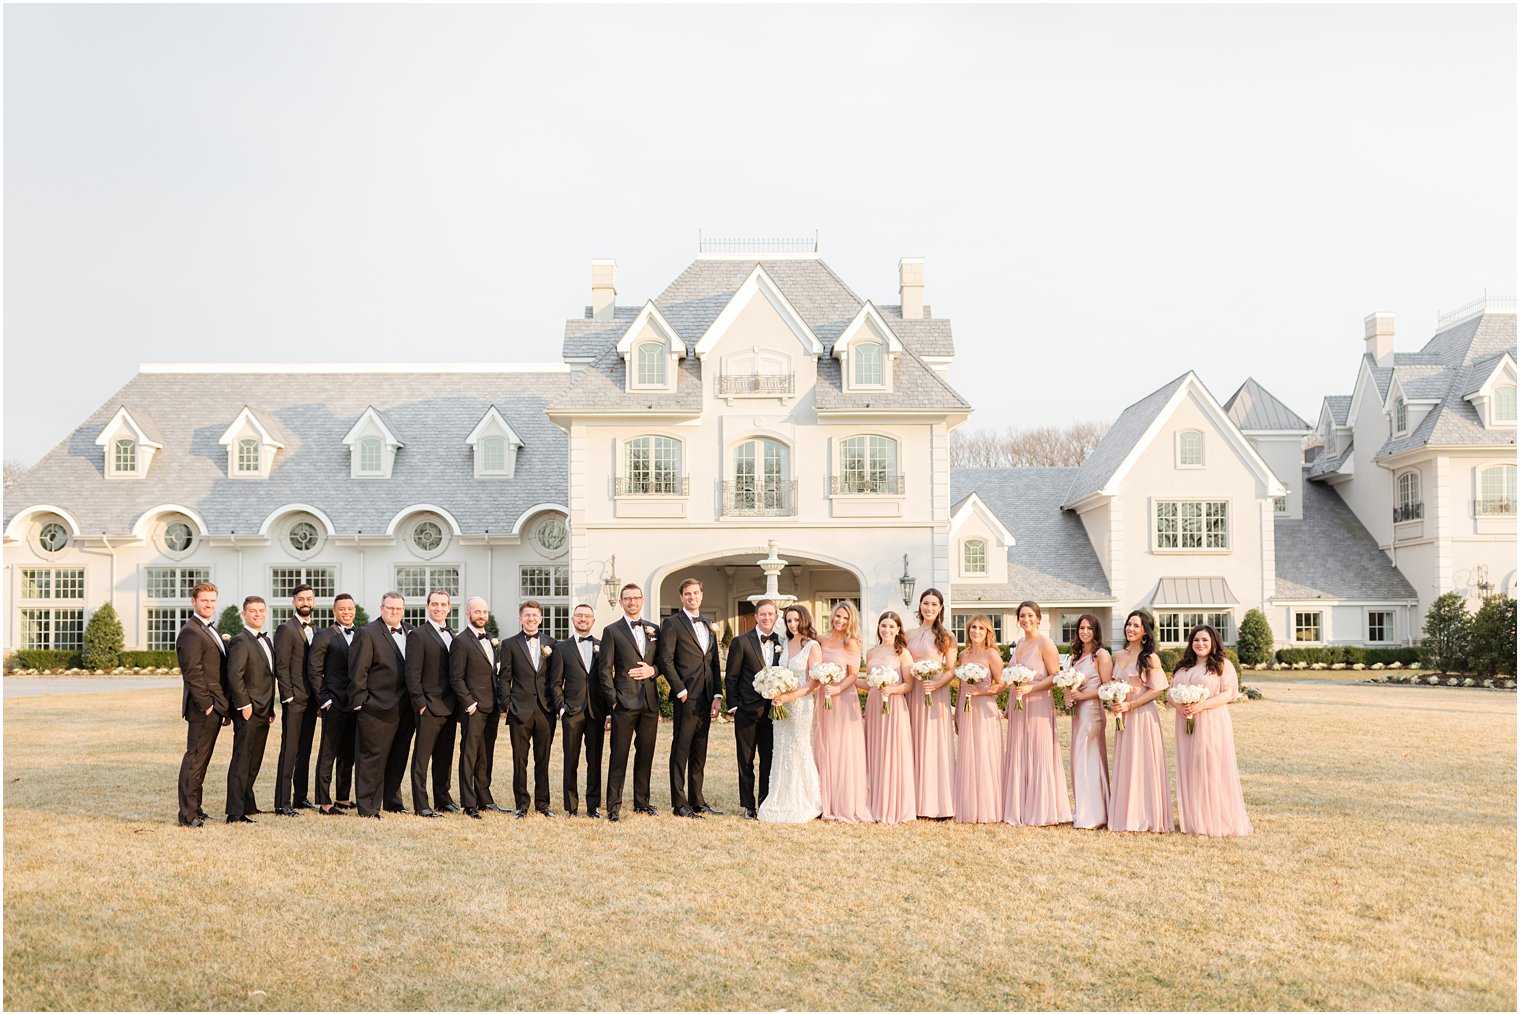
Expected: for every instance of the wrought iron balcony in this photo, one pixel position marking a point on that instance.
(651, 486)
(1494, 506)
(743, 499)
(891, 486)
(757, 384)
(1409, 512)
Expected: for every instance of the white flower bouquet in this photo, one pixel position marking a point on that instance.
(827, 674)
(1186, 694)
(772, 682)
(926, 670)
(1115, 692)
(1018, 676)
(881, 678)
(969, 674)
(1068, 681)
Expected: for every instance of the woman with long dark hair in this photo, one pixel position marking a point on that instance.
(889, 737)
(1089, 743)
(1139, 795)
(1209, 801)
(929, 710)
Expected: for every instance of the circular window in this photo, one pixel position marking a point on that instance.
(551, 534)
(427, 536)
(178, 537)
(53, 537)
(303, 536)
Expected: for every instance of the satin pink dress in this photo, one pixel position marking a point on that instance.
(979, 761)
(889, 756)
(1139, 795)
(1209, 801)
(1034, 774)
(839, 747)
(933, 738)
(1089, 753)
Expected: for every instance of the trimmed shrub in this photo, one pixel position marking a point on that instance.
(1448, 634)
(103, 639)
(360, 617)
(1254, 641)
(491, 628)
(1492, 649)
(230, 622)
(48, 659)
(150, 660)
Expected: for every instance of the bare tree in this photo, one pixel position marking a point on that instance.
(14, 470)
(1012, 447)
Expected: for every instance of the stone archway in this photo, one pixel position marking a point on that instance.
(728, 580)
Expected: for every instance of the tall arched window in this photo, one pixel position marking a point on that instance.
(652, 465)
(761, 477)
(1410, 506)
(651, 358)
(1400, 416)
(1496, 490)
(1190, 448)
(126, 456)
(974, 556)
(868, 464)
(869, 371)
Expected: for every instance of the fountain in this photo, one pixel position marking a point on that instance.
(773, 566)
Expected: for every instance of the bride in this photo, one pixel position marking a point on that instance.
(794, 794)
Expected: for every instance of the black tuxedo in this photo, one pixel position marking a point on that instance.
(329, 662)
(577, 689)
(635, 708)
(472, 678)
(691, 668)
(250, 682)
(752, 717)
(377, 692)
(299, 688)
(433, 704)
(203, 668)
(523, 689)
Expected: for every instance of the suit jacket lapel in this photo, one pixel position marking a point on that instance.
(391, 640)
(691, 625)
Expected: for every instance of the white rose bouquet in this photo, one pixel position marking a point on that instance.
(969, 674)
(1186, 694)
(1068, 681)
(827, 674)
(881, 678)
(1018, 676)
(1113, 693)
(926, 670)
(772, 682)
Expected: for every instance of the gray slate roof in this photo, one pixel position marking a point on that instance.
(603, 386)
(915, 385)
(1329, 555)
(436, 412)
(143, 418)
(1325, 465)
(1253, 407)
(1118, 442)
(1052, 559)
(1340, 408)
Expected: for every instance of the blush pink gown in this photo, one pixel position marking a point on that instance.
(839, 747)
(1034, 775)
(1089, 753)
(1139, 795)
(889, 758)
(1209, 801)
(979, 761)
(933, 738)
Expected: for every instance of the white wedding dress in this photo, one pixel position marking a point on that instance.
(794, 795)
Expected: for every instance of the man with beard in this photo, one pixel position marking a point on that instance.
(298, 696)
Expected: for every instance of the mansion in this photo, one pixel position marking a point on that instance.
(756, 408)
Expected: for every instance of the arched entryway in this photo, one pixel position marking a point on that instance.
(729, 580)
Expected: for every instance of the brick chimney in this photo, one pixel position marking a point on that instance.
(603, 288)
(1378, 334)
(910, 287)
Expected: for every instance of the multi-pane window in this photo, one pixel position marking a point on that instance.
(652, 465)
(958, 622)
(52, 626)
(125, 459)
(493, 454)
(1069, 622)
(1410, 506)
(760, 476)
(1280, 505)
(869, 368)
(53, 537)
(1504, 404)
(322, 579)
(1380, 625)
(417, 616)
(543, 581)
(1496, 490)
(52, 583)
(1400, 416)
(868, 464)
(177, 537)
(1172, 628)
(169, 591)
(1306, 626)
(369, 455)
(248, 455)
(1190, 447)
(174, 582)
(557, 621)
(974, 556)
(164, 623)
(1192, 525)
(650, 360)
(416, 581)
(303, 536)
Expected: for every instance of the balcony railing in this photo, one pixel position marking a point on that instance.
(756, 384)
(1493, 507)
(748, 499)
(651, 486)
(891, 486)
(1409, 512)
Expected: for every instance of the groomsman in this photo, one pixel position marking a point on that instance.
(250, 690)
(472, 678)
(203, 705)
(377, 695)
(747, 655)
(427, 681)
(329, 664)
(626, 657)
(523, 689)
(575, 692)
(298, 698)
(689, 660)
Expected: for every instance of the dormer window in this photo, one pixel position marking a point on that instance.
(124, 461)
(868, 352)
(869, 369)
(372, 445)
(495, 445)
(1504, 404)
(370, 456)
(1400, 416)
(974, 557)
(248, 455)
(128, 442)
(493, 455)
(650, 348)
(1190, 449)
(251, 442)
(650, 361)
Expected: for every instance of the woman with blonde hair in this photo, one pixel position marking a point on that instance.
(839, 730)
(978, 775)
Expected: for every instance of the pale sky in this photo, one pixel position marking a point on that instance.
(1106, 197)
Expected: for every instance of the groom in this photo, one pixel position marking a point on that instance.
(747, 656)
(689, 660)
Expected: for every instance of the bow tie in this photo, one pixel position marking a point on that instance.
(259, 636)
(348, 630)
(582, 641)
(774, 639)
(484, 636)
(305, 623)
(394, 630)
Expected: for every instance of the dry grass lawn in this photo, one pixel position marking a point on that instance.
(1381, 875)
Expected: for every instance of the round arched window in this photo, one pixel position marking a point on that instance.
(427, 536)
(551, 534)
(178, 537)
(53, 537)
(303, 536)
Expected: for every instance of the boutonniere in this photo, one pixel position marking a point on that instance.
(651, 632)
(496, 643)
(226, 637)
(547, 651)
(713, 628)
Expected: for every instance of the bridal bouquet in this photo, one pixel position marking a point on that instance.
(1017, 676)
(773, 681)
(880, 678)
(1068, 681)
(971, 673)
(1112, 693)
(827, 674)
(1187, 694)
(926, 670)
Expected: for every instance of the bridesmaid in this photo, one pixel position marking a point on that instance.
(1209, 801)
(978, 775)
(889, 736)
(1034, 778)
(1089, 742)
(933, 725)
(1139, 795)
(839, 743)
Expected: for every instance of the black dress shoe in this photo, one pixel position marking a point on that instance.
(428, 812)
(594, 814)
(244, 820)
(305, 805)
(546, 812)
(254, 810)
(647, 810)
(498, 808)
(375, 816)
(395, 808)
(520, 813)
(287, 812)
(329, 811)
(452, 808)
(709, 809)
(749, 812)
(192, 823)
(612, 815)
(687, 812)
(472, 812)
(343, 805)
(204, 816)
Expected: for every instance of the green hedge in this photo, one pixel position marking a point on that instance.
(48, 659)
(1348, 654)
(150, 660)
